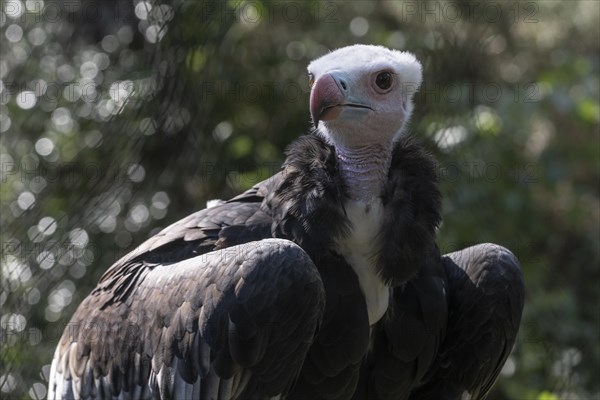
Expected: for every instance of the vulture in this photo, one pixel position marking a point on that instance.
(324, 281)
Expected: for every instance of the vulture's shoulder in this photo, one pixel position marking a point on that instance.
(411, 155)
(412, 211)
(307, 204)
(252, 215)
(239, 220)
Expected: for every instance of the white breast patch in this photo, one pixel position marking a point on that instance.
(359, 249)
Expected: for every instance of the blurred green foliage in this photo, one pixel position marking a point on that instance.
(119, 117)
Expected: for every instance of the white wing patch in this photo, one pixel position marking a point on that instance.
(214, 202)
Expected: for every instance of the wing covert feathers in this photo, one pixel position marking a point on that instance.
(218, 324)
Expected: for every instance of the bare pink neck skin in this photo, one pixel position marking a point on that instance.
(364, 169)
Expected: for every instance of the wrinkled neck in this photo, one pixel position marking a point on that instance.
(364, 169)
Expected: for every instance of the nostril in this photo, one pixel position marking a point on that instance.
(343, 84)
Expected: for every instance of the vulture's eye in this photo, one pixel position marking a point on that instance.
(311, 80)
(384, 80)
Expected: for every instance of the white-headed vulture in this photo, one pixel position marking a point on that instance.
(324, 281)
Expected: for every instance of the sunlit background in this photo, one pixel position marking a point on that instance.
(119, 117)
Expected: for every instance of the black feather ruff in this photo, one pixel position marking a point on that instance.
(308, 205)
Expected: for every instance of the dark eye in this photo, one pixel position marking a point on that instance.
(384, 80)
(311, 80)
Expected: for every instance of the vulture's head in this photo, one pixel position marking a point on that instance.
(362, 94)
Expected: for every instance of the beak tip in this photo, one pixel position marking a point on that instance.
(315, 120)
(314, 113)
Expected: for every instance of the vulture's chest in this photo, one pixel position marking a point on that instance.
(360, 250)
